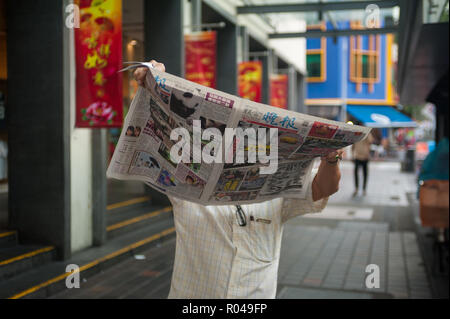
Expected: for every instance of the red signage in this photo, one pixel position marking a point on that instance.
(250, 80)
(279, 90)
(200, 49)
(98, 51)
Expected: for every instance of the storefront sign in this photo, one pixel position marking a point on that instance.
(250, 80)
(200, 49)
(98, 51)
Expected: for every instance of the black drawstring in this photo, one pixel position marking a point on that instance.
(240, 215)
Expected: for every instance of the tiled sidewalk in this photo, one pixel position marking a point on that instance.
(334, 260)
(326, 256)
(386, 186)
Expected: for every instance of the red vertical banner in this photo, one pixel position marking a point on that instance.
(98, 54)
(250, 80)
(200, 54)
(279, 90)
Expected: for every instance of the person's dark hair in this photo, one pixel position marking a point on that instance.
(190, 177)
(130, 128)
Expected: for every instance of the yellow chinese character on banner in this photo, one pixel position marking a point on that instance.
(99, 79)
(91, 41)
(94, 61)
(105, 50)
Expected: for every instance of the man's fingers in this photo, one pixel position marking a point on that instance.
(159, 66)
(140, 73)
(333, 155)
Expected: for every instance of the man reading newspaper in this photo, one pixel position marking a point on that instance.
(233, 251)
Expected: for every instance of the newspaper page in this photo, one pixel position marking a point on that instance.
(209, 147)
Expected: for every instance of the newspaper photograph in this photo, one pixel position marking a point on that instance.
(209, 147)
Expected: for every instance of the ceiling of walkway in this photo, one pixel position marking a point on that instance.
(286, 21)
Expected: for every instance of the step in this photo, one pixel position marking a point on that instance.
(130, 212)
(127, 277)
(125, 205)
(8, 238)
(49, 279)
(21, 258)
(119, 224)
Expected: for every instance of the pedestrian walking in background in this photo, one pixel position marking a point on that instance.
(361, 157)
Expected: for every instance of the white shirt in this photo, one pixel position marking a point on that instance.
(217, 258)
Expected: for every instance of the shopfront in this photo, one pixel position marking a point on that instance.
(387, 124)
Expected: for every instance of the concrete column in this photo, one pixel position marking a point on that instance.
(39, 124)
(292, 89)
(301, 93)
(273, 61)
(244, 44)
(84, 199)
(99, 155)
(269, 65)
(227, 52)
(164, 42)
(163, 34)
(227, 45)
(196, 15)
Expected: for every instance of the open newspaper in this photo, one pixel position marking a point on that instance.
(210, 157)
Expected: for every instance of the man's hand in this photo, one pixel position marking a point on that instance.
(140, 73)
(326, 182)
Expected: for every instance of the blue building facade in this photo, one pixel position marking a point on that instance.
(352, 78)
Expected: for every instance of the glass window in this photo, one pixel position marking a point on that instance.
(365, 66)
(314, 65)
(316, 57)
